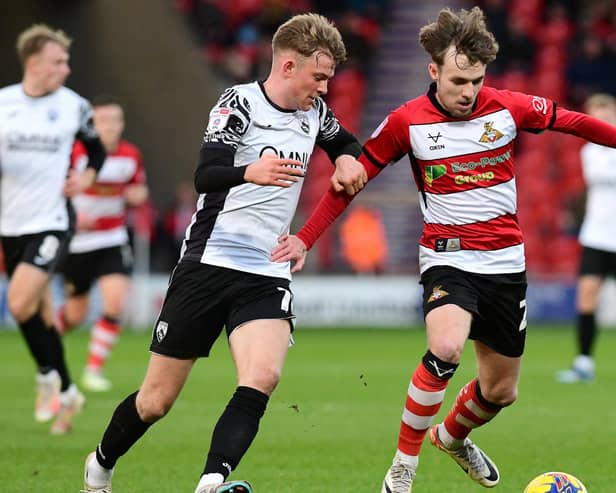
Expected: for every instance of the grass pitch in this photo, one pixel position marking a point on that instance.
(330, 427)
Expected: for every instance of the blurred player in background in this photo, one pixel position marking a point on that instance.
(255, 151)
(459, 138)
(598, 240)
(39, 121)
(100, 250)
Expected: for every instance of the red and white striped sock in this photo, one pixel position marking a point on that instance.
(423, 401)
(470, 411)
(102, 339)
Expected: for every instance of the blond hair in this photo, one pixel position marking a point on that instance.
(32, 40)
(599, 100)
(466, 30)
(308, 33)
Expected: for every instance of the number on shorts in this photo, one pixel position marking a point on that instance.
(523, 323)
(48, 248)
(286, 300)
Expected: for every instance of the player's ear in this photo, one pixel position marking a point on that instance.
(288, 67)
(433, 71)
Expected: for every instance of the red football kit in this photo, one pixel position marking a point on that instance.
(464, 172)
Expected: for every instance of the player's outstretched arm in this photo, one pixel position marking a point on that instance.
(585, 126)
(272, 170)
(350, 175)
(290, 249)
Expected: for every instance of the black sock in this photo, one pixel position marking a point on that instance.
(587, 332)
(124, 429)
(484, 401)
(55, 349)
(439, 368)
(235, 430)
(35, 334)
(110, 319)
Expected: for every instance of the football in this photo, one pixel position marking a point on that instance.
(555, 482)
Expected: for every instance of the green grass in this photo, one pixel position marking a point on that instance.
(331, 426)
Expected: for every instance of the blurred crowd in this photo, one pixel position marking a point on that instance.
(236, 36)
(564, 50)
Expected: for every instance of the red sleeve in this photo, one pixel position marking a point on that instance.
(139, 176)
(584, 126)
(531, 113)
(331, 205)
(391, 140)
(388, 143)
(78, 152)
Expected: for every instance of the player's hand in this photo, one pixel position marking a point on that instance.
(350, 175)
(85, 222)
(290, 249)
(136, 194)
(77, 181)
(272, 170)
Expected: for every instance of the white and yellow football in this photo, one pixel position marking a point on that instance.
(555, 482)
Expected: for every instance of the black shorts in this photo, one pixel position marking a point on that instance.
(497, 302)
(595, 262)
(202, 299)
(81, 270)
(44, 250)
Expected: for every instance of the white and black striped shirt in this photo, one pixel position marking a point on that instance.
(239, 227)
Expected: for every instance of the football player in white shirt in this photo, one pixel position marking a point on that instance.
(39, 121)
(598, 240)
(254, 155)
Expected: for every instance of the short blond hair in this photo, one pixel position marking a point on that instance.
(599, 100)
(32, 40)
(308, 33)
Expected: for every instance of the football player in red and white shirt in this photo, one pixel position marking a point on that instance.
(459, 139)
(100, 250)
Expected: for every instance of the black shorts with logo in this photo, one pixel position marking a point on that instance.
(596, 262)
(202, 299)
(44, 250)
(81, 270)
(497, 302)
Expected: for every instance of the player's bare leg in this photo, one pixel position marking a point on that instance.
(447, 328)
(587, 301)
(114, 289)
(477, 403)
(258, 349)
(29, 301)
(164, 379)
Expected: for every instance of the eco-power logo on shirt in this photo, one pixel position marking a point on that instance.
(435, 172)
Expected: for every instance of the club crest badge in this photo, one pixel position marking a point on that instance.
(437, 294)
(490, 134)
(304, 125)
(161, 330)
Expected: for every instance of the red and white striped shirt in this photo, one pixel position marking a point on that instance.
(464, 172)
(103, 203)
